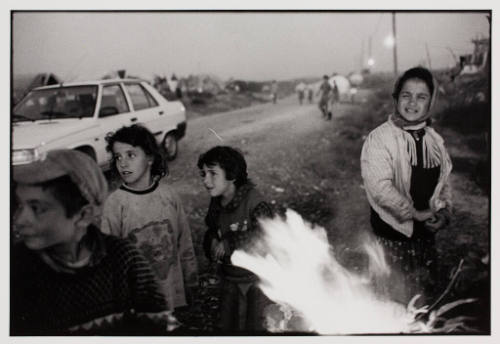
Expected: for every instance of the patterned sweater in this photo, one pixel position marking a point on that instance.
(155, 221)
(235, 225)
(116, 293)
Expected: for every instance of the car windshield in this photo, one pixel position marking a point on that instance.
(57, 103)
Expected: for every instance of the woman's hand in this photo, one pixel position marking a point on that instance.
(439, 220)
(422, 215)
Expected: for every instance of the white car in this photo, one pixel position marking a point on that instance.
(80, 116)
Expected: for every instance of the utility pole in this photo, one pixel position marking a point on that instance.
(428, 56)
(394, 47)
(370, 48)
(362, 61)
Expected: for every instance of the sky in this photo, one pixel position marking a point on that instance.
(256, 45)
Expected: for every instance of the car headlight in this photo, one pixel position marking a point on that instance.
(25, 156)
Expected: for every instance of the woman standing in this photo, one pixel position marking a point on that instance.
(405, 168)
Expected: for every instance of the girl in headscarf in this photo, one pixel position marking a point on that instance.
(405, 168)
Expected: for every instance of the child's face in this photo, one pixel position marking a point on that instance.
(41, 220)
(214, 179)
(133, 165)
(414, 100)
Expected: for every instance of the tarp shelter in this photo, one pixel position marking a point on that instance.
(342, 82)
(22, 84)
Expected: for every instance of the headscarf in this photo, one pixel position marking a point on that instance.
(418, 129)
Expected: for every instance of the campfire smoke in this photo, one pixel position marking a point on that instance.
(298, 271)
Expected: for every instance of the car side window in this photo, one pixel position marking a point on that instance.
(141, 99)
(113, 101)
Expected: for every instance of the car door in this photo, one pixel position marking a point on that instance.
(113, 113)
(146, 109)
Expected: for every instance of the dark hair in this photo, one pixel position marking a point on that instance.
(230, 160)
(414, 73)
(66, 192)
(139, 136)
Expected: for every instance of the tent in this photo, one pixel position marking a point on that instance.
(22, 84)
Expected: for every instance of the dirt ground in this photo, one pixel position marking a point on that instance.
(300, 161)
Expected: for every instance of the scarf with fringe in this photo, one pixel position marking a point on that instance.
(430, 148)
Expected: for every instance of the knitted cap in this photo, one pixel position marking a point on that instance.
(80, 167)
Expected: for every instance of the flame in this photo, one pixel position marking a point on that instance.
(298, 271)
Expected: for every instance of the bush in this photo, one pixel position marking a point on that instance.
(471, 118)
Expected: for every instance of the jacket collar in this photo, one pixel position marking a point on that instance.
(239, 196)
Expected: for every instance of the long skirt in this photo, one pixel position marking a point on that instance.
(413, 270)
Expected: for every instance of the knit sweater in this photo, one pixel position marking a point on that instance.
(423, 183)
(115, 294)
(386, 168)
(155, 221)
(235, 225)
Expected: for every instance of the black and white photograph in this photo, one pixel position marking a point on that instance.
(246, 173)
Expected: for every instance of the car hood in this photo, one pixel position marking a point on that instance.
(34, 134)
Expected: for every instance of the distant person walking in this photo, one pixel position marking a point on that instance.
(274, 91)
(310, 93)
(300, 89)
(174, 86)
(334, 99)
(324, 92)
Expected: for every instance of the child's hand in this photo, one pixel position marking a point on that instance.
(423, 215)
(219, 250)
(213, 244)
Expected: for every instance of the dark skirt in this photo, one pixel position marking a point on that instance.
(412, 262)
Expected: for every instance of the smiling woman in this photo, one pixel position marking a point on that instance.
(405, 169)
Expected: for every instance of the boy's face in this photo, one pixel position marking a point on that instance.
(214, 179)
(40, 219)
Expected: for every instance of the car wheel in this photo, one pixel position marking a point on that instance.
(169, 145)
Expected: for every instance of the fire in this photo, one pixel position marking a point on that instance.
(298, 271)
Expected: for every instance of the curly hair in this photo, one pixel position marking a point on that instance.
(139, 136)
(230, 160)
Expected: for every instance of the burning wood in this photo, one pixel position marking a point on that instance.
(315, 293)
